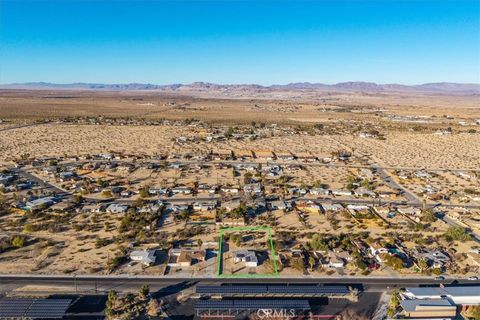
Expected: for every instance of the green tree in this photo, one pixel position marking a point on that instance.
(27, 228)
(144, 192)
(422, 264)
(457, 233)
(428, 216)
(311, 262)
(437, 271)
(475, 313)
(394, 303)
(394, 262)
(144, 291)
(298, 264)
(3, 202)
(184, 214)
(111, 302)
(77, 199)
(107, 193)
(18, 241)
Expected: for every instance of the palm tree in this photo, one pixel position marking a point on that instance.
(311, 262)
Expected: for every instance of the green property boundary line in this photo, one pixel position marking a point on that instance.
(252, 228)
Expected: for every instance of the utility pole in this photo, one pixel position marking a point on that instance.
(75, 281)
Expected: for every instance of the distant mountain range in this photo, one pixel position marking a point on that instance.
(353, 86)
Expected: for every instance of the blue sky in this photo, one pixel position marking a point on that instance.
(264, 42)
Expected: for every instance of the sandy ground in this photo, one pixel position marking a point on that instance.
(400, 149)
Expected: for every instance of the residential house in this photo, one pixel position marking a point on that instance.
(435, 258)
(376, 248)
(273, 171)
(279, 205)
(158, 191)
(230, 205)
(366, 173)
(319, 191)
(332, 207)
(243, 154)
(363, 192)
(117, 208)
(62, 206)
(355, 209)
(147, 257)
(181, 190)
(5, 180)
(185, 257)
(204, 205)
(264, 154)
(422, 174)
(229, 189)
(341, 192)
(335, 261)
(253, 188)
(410, 212)
(66, 176)
(248, 257)
(40, 203)
(284, 155)
(305, 156)
(308, 206)
(221, 154)
(175, 208)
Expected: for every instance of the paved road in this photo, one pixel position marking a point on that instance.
(133, 283)
(25, 174)
(274, 162)
(388, 180)
(19, 126)
(412, 199)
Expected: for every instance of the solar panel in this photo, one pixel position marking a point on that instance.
(272, 289)
(34, 308)
(252, 304)
(258, 289)
(308, 289)
(14, 307)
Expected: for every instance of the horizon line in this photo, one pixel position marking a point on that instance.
(233, 84)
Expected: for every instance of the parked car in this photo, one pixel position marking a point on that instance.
(473, 278)
(439, 278)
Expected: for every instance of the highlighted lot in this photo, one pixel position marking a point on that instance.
(260, 266)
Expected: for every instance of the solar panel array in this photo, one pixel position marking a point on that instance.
(11, 308)
(272, 289)
(251, 304)
(34, 308)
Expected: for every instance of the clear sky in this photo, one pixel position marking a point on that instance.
(264, 42)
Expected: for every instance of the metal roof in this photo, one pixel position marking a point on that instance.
(446, 291)
(463, 291)
(33, 308)
(251, 304)
(411, 305)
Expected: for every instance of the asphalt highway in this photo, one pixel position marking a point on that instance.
(124, 283)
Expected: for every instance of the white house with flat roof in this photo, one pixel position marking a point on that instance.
(247, 256)
(147, 257)
(39, 203)
(459, 295)
(428, 308)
